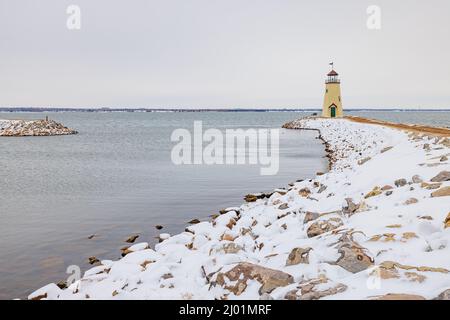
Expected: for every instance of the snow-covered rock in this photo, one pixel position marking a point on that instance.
(20, 128)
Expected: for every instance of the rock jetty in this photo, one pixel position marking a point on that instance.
(23, 128)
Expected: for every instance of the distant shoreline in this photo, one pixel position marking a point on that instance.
(318, 110)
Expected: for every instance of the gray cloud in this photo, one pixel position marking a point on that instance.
(229, 53)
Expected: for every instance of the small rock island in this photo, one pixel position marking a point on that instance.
(42, 127)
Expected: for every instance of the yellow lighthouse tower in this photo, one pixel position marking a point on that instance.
(332, 104)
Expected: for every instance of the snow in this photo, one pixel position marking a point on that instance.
(183, 266)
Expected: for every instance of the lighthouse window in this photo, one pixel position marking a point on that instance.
(327, 91)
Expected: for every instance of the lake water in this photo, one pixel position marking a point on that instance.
(116, 178)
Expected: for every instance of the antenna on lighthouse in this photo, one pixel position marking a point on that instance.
(332, 65)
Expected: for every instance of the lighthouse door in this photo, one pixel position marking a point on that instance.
(333, 112)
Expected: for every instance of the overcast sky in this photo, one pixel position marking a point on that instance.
(228, 53)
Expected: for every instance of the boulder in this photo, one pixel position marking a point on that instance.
(124, 251)
(415, 277)
(351, 206)
(62, 284)
(226, 210)
(136, 247)
(320, 227)
(446, 142)
(250, 198)
(441, 177)
(430, 186)
(304, 192)
(447, 221)
(315, 289)
(354, 258)
(375, 191)
(445, 295)
(281, 191)
(400, 182)
(235, 280)
(132, 239)
(389, 270)
(231, 248)
(93, 260)
(411, 201)
(395, 266)
(442, 192)
(163, 236)
(310, 216)
(399, 296)
(227, 237)
(385, 272)
(362, 161)
(231, 223)
(416, 179)
(298, 255)
(409, 235)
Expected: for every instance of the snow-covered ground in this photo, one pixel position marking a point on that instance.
(372, 227)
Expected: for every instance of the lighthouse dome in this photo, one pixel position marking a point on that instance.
(332, 73)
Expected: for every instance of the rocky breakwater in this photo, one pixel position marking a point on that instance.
(23, 128)
(376, 226)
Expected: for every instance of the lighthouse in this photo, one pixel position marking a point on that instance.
(332, 104)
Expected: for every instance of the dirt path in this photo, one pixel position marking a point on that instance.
(435, 131)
